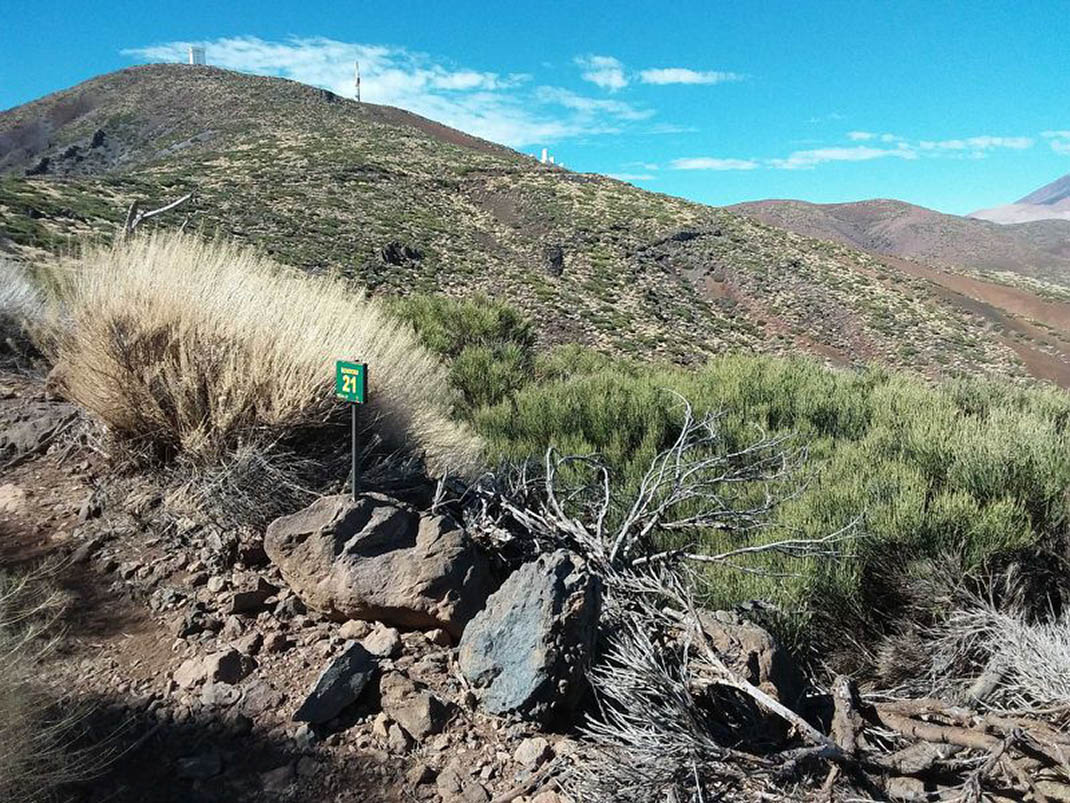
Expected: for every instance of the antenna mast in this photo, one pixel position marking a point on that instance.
(356, 74)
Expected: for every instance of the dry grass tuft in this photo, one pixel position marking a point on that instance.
(37, 739)
(20, 309)
(196, 350)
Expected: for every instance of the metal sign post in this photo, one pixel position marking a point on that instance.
(351, 385)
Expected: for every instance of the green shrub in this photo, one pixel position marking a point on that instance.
(975, 469)
(490, 345)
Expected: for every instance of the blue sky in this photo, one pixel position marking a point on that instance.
(952, 105)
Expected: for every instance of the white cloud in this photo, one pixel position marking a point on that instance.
(713, 163)
(671, 128)
(499, 107)
(603, 71)
(858, 153)
(981, 143)
(1058, 140)
(580, 103)
(860, 136)
(682, 75)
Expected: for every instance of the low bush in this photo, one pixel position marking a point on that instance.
(489, 345)
(195, 350)
(977, 469)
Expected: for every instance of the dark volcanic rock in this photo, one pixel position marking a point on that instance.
(339, 685)
(395, 253)
(377, 559)
(528, 650)
(554, 260)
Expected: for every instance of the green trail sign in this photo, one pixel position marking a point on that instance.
(351, 384)
(351, 381)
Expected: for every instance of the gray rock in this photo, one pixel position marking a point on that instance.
(40, 422)
(227, 666)
(339, 685)
(419, 773)
(219, 695)
(304, 737)
(532, 752)
(528, 650)
(354, 629)
(251, 600)
(397, 740)
(260, 697)
(439, 637)
(383, 642)
(249, 644)
(418, 711)
(377, 559)
(455, 787)
(278, 780)
(276, 642)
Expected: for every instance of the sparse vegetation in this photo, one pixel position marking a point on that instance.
(200, 350)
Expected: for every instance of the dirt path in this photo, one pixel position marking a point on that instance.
(115, 655)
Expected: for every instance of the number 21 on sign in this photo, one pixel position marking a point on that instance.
(351, 384)
(351, 381)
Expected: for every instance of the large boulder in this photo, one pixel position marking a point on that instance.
(377, 559)
(528, 650)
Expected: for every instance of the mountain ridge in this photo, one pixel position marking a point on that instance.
(1040, 249)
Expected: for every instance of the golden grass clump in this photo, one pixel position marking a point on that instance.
(195, 348)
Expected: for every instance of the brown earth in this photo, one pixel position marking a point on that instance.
(1044, 351)
(1039, 249)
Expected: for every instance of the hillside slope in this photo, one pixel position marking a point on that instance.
(401, 204)
(1040, 249)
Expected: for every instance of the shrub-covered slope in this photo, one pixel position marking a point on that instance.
(399, 203)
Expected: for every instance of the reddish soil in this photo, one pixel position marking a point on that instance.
(1011, 309)
(1011, 299)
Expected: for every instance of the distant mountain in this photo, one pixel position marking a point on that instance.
(399, 203)
(1039, 249)
(1058, 190)
(1050, 202)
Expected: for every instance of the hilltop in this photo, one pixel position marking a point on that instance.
(401, 204)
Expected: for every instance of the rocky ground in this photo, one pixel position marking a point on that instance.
(186, 656)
